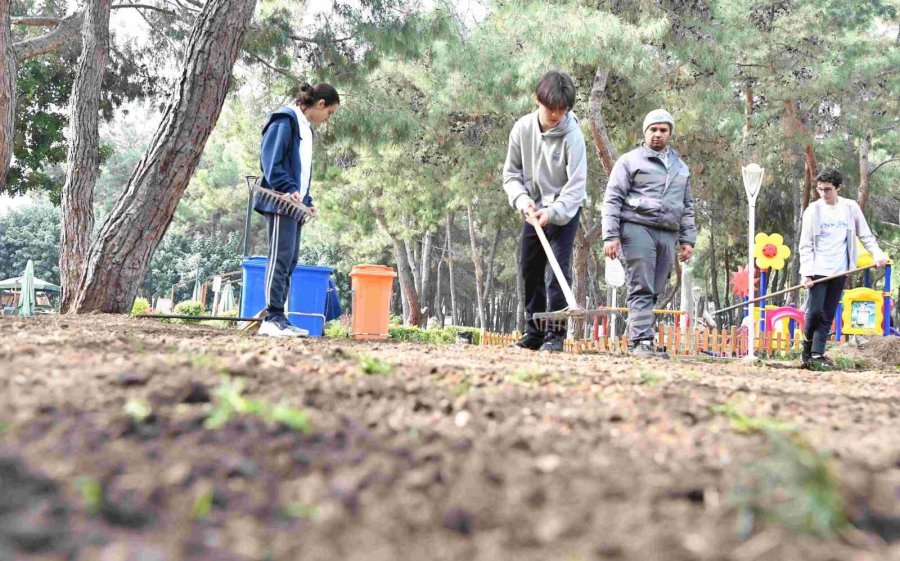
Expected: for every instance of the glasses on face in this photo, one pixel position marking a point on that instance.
(825, 190)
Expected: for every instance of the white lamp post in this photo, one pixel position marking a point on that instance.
(752, 175)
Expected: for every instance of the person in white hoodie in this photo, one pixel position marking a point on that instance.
(827, 247)
(546, 172)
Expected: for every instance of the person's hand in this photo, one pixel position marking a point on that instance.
(808, 282)
(882, 262)
(296, 196)
(611, 248)
(686, 251)
(525, 205)
(313, 210)
(542, 217)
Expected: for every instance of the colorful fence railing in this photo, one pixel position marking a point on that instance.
(727, 342)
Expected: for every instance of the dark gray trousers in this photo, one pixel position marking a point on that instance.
(820, 308)
(649, 255)
(284, 249)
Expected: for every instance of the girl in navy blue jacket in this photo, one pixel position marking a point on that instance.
(286, 163)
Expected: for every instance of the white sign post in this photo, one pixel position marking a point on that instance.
(752, 175)
(615, 277)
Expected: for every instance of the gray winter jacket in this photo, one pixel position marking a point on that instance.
(549, 167)
(857, 228)
(642, 191)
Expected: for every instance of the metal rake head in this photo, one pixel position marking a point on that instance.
(284, 204)
(557, 321)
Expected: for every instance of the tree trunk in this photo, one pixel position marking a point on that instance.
(489, 280)
(413, 311)
(520, 289)
(479, 269)
(438, 296)
(11, 55)
(425, 275)
(862, 196)
(454, 316)
(413, 265)
(8, 70)
(582, 252)
(120, 255)
(84, 148)
(714, 267)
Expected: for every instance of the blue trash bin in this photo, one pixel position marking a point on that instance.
(306, 300)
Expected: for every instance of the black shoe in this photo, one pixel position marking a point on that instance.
(820, 362)
(529, 341)
(643, 349)
(806, 354)
(552, 343)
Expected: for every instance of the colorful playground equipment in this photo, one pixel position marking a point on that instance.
(865, 310)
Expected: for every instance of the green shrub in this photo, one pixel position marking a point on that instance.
(335, 329)
(141, 306)
(444, 336)
(189, 308)
(395, 320)
(222, 323)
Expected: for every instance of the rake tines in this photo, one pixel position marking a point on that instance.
(284, 203)
(558, 321)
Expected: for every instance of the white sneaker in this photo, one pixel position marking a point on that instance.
(299, 330)
(276, 329)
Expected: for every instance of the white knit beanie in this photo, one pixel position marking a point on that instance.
(658, 116)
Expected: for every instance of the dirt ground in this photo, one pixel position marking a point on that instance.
(424, 452)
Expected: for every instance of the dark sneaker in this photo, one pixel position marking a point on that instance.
(643, 349)
(820, 362)
(806, 354)
(529, 341)
(552, 344)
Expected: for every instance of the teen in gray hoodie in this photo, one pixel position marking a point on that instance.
(546, 172)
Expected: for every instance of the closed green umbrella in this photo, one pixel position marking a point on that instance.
(26, 296)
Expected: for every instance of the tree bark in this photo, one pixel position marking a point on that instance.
(520, 289)
(454, 315)
(438, 295)
(479, 269)
(84, 148)
(120, 255)
(8, 71)
(425, 275)
(412, 311)
(865, 170)
(714, 267)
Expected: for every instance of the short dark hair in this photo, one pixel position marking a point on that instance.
(306, 95)
(830, 175)
(556, 90)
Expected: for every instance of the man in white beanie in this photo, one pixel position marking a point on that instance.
(648, 209)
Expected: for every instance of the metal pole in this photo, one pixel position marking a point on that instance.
(251, 179)
(751, 332)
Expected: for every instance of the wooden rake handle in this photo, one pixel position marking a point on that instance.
(791, 289)
(554, 264)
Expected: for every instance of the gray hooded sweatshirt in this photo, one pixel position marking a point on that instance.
(549, 167)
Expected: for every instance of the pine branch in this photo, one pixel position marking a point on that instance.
(36, 21)
(889, 160)
(270, 66)
(144, 6)
(69, 28)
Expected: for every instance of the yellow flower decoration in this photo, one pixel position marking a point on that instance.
(863, 257)
(770, 251)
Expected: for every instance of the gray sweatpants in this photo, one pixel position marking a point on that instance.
(649, 255)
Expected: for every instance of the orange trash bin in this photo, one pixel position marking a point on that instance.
(371, 286)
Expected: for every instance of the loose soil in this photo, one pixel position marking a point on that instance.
(456, 453)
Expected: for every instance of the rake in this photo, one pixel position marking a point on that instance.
(559, 319)
(284, 203)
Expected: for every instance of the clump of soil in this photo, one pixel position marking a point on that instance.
(876, 351)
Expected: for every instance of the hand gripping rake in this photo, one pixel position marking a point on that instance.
(559, 319)
(284, 203)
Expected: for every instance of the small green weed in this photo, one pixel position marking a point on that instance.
(228, 402)
(140, 306)
(138, 410)
(373, 366)
(203, 503)
(649, 378)
(91, 492)
(527, 378)
(300, 510)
